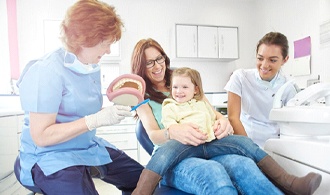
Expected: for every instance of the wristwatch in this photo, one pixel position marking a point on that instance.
(167, 134)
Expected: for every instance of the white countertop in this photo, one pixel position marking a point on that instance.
(10, 112)
(220, 105)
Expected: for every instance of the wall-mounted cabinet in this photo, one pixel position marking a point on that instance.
(186, 41)
(206, 42)
(228, 42)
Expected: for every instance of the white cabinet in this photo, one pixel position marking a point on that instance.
(122, 136)
(228, 42)
(186, 41)
(10, 128)
(206, 42)
(9, 144)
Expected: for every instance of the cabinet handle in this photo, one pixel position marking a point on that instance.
(195, 45)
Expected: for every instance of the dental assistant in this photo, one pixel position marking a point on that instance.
(251, 91)
(61, 97)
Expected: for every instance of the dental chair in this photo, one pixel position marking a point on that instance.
(304, 142)
(146, 143)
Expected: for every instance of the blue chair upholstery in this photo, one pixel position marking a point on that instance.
(146, 143)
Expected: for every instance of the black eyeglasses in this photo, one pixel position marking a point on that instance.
(160, 59)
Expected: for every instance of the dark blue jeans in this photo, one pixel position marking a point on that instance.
(123, 172)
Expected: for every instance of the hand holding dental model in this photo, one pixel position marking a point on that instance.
(107, 116)
(126, 90)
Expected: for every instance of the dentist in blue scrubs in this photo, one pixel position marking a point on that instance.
(61, 97)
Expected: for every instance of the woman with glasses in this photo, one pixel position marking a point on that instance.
(219, 175)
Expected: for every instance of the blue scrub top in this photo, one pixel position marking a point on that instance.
(47, 86)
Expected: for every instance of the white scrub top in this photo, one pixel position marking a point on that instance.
(257, 98)
(47, 86)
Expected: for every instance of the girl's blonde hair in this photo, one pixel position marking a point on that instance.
(195, 79)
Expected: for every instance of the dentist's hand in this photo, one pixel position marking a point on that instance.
(107, 116)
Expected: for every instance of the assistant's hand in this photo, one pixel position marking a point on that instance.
(107, 116)
(222, 128)
(188, 134)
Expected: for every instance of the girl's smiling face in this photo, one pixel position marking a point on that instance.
(183, 89)
(269, 61)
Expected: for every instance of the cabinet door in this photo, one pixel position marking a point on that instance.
(8, 144)
(228, 42)
(207, 42)
(186, 41)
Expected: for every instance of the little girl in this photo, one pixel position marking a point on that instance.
(188, 106)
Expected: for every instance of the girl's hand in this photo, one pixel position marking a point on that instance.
(188, 134)
(222, 128)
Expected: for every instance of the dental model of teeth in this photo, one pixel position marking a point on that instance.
(127, 89)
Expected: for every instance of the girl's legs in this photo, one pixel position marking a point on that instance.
(200, 176)
(246, 176)
(173, 152)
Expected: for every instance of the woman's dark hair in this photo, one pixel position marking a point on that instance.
(138, 65)
(275, 38)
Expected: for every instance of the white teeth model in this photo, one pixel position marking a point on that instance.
(121, 83)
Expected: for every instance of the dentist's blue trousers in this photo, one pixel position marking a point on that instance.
(123, 172)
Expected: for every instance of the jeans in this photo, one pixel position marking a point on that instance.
(200, 176)
(173, 152)
(204, 177)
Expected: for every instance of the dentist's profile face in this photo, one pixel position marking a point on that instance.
(93, 55)
(269, 61)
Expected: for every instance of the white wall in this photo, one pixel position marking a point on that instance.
(156, 19)
(4, 48)
(298, 19)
